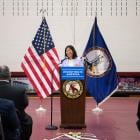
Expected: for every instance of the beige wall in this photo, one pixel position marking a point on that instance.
(121, 33)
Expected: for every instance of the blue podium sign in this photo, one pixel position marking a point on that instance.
(72, 73)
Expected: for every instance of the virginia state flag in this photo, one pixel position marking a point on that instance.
(101, 75)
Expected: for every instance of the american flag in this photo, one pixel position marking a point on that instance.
(41, 62)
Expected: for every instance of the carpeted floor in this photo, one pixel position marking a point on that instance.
(116, 122)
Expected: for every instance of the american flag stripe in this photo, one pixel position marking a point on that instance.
(27, 70)
(36, 61)
(53, 69)
(55, 57)
(54, 75)
(40, 64)
(33, 79)
(39, 74)
(39, 77)
(53, 81)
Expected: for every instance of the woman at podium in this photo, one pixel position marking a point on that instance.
(72, 90)
(71, 59)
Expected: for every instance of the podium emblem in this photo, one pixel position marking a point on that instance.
(72, 89)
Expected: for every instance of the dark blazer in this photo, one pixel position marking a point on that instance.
(19, 97)
(9, 120)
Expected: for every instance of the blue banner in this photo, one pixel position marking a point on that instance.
(72, 73)
(101, 75)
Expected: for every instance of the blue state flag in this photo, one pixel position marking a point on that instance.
(101, 75)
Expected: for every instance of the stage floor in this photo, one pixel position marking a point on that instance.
(116, 122)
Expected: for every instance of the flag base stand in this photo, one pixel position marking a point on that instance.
(40, 109)
(97, 109)
(51, 127)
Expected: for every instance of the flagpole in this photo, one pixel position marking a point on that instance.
(74, 23)
(41, 108)
(50, 126)
(96, 109)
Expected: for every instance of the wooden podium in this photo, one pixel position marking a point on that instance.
(72, 98)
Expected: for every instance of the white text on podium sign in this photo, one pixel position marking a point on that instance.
(72, 73)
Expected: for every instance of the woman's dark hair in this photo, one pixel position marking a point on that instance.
(73, 50)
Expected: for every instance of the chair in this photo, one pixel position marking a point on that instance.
(1, 130)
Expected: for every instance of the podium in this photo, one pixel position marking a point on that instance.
(72, 97)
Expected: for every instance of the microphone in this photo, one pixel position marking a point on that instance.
(63, 60)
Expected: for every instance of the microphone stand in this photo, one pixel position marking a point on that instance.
(51, 126)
